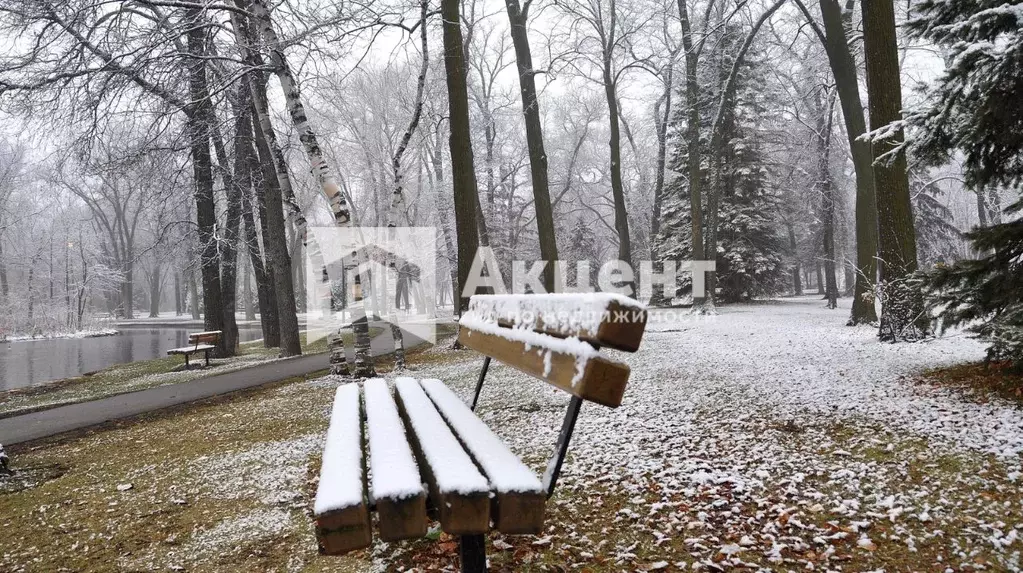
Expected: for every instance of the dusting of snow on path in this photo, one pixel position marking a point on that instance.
(794, 358)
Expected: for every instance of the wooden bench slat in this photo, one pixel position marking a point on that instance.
(605, 319)
(340, 509)
(458, 491)
(519, 496)
(570, 365)
(191, 349)
(395, 484)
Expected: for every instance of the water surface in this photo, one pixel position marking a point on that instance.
(32, 362)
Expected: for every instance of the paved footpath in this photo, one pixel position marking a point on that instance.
(62, 419)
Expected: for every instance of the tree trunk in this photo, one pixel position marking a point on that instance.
(5, 288)
(797, 283)
(902, 310)
(534, 141)
(321, 169)
(982, 210)
(274, 237)
(827, 192)
(693, 151)
(843, 67)
(31, 296)
(398, 202)
(178, 295)
(437, 161)
(128, 287)
(617, 186)
(200, 118)
(229, 241)
(193, 294)
(154, 292)
(463, 173)
(662, 115)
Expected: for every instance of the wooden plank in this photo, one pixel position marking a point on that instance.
(519, 513)
(588, 376)
(458, 491)
(396, 485)
(340, 509)
(203, 338)
(191, 349)
(599, 318)
(345, 530)
(519, 501)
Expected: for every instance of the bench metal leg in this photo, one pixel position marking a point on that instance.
(186, 361)
(550, 477)
(472, 550)
(479, 384)
(207, 353)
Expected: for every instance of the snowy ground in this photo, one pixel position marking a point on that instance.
(89, 333)
(770, 437)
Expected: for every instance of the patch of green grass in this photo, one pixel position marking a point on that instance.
(194, 470)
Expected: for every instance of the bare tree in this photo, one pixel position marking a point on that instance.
(902, 311)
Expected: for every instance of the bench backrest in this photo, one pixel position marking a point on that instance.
(557, 337)
(209, 337)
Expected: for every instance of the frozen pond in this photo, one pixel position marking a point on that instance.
(35, 361)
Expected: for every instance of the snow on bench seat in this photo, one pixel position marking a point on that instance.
(606, 319)
(458, 490)
(342, 517)
(519, 495)
(567, 363)
(191, 349)
(394, 484)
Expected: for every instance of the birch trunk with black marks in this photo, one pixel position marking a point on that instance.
(518, 17)
(398, 203)
(321, 169)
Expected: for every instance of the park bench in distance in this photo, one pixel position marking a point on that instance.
(381, 448)
(199, 342)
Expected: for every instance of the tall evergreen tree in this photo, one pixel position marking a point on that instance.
(975, 107)
(974, 110)
(750, 252)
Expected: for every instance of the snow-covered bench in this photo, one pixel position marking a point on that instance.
(420, 449)
(198, 342)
